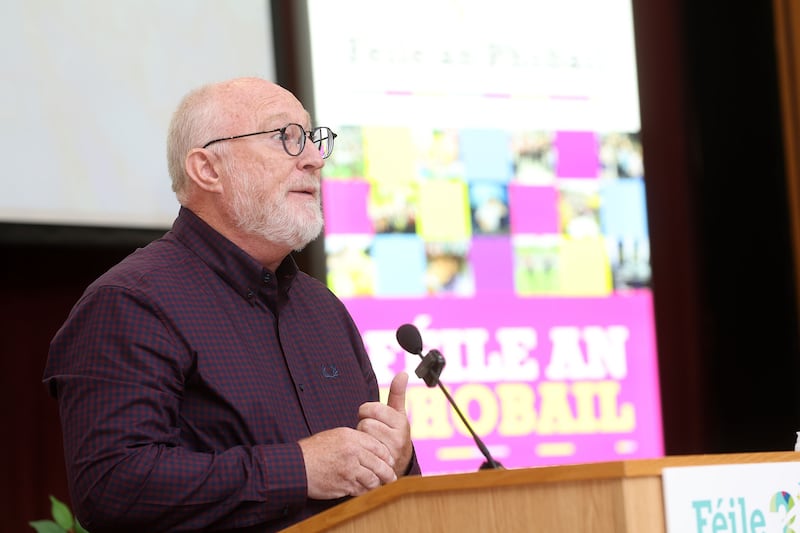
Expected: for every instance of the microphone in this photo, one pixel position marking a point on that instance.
(429, 369)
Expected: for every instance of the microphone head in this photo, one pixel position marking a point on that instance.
(409, 338)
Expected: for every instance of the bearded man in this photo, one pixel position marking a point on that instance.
(204, 382)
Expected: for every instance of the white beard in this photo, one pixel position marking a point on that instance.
(268, 213)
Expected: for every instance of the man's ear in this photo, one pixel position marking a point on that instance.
(201, 168)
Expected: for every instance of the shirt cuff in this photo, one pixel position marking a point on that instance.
(413, 468)
(285, 479)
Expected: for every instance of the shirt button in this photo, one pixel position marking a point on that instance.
(285, 510)
(301, 387)
(250, 294)
(267, 277)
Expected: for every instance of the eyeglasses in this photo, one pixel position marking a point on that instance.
(293, 137)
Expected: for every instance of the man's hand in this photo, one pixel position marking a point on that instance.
(389, 423)
(345, 462)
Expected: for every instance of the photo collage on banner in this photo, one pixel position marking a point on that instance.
(487, 186)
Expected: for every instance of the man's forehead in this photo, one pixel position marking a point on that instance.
(282, 118)
(265, 104)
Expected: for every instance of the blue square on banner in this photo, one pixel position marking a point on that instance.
(400, 264)
(486, 155)
(623, 209)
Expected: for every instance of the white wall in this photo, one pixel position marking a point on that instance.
(87, 88)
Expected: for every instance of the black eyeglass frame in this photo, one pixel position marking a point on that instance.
(306, 135)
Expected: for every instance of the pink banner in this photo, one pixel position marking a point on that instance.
(542, 381)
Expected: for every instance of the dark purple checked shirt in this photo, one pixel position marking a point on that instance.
(186, 375)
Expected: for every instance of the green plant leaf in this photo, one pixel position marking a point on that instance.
(46, 526)
(79, 527)
(61, 514)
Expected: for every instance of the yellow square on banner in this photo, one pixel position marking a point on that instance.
(584, 267)
(389, 155)
(443, 214)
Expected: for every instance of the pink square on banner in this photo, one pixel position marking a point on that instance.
(533, 208)
(492, 265)
(344, 203)
(577, 154)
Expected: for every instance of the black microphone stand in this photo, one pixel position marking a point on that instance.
(429, 371)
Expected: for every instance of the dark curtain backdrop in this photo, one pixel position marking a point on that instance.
(726, 314)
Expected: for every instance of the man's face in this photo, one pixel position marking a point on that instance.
(270, 193)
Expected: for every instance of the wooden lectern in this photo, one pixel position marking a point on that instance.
(612, 497)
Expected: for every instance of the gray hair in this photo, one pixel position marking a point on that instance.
(193, 123)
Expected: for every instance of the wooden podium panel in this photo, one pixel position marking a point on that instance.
(611, 497)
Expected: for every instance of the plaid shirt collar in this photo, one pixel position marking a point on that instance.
(232, 264)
